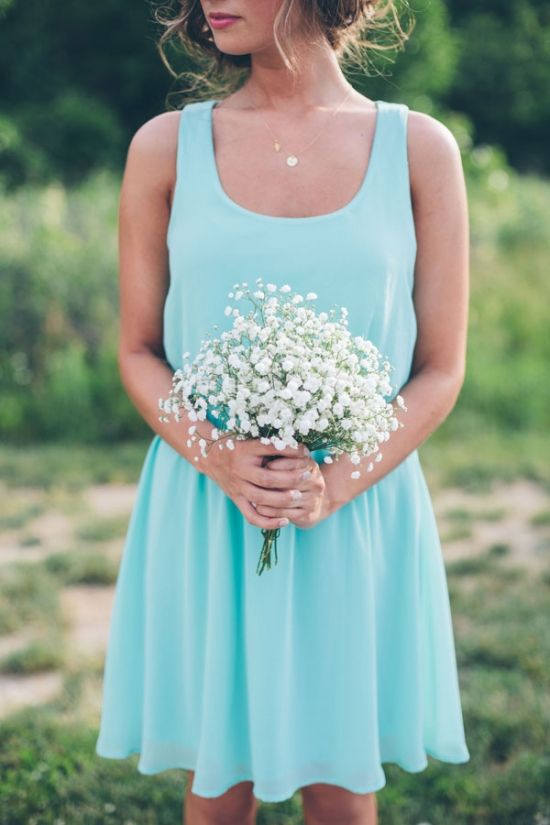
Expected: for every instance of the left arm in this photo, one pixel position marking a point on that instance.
(441, 295)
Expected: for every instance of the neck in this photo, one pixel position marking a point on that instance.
(319, 83)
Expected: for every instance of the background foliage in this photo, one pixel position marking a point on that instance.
(76, 80)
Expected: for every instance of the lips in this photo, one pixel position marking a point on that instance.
(218, 15)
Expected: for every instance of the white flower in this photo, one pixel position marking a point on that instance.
(228, 310)
(285, 369)
(355, 474)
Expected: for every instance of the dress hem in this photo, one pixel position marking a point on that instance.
(106, 753)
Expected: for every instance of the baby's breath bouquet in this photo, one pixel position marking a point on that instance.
(287, 375)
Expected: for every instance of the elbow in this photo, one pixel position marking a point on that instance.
(123, 361)
(131, 358)
(128, 359)
(447, 383)
(452, 383)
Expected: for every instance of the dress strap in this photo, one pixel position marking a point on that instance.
(392, 166)
(190, 165)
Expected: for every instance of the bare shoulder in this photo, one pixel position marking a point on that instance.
(151, 156)
(434, 153)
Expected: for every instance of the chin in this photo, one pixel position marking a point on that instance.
(235, 51)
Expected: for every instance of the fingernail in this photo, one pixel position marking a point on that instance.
(283, 522)
(306, 475)
(296, 494)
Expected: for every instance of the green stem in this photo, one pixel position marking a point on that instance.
(270, 540)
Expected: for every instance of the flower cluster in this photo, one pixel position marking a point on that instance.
(287, 374)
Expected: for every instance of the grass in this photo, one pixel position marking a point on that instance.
(36, 657)
(70, 466)
(499, 549)
(28, 597)
(461, 515)
(470, 566)
(76, 567)
(541, 519)
(475, 464)
(456, 533)
(30, 540)
(96, 529)
(15, 514)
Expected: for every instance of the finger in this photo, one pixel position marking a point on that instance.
(271, 450)
(282, 512)
(274, 498)
(286, 463)
(270, 480)
(259, 520)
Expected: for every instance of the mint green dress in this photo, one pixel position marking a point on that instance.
(341, 657)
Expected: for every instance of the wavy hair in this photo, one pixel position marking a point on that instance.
(353, 28)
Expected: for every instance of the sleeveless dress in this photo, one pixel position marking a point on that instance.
(341, 657)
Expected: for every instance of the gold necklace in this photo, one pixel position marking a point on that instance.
(291, 158)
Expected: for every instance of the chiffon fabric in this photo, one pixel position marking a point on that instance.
(341, 657)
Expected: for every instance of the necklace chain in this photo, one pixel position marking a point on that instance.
(292, 158)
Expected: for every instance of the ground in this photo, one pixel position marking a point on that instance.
(74, 539)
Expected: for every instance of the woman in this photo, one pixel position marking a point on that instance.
(342, 656)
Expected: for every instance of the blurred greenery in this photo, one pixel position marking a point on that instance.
(75, 86)
(63, 134)
(59, 310)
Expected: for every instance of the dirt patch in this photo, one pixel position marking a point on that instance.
(109, 500)
(520, 501)
(20, 691)
(88, 611)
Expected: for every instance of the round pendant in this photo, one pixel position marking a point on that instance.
(291, 160)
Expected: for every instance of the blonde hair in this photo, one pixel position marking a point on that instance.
(353, 28)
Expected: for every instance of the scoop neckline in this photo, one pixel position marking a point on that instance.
(303, 219)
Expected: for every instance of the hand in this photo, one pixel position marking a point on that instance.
(306, 503)
(243, 475)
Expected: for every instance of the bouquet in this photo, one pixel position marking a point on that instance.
(287, 375)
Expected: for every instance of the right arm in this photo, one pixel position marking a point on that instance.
(144, 212)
